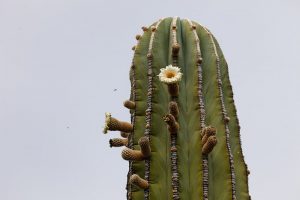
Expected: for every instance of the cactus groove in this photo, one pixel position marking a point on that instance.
(183, 141)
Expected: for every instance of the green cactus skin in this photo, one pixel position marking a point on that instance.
(205, 99)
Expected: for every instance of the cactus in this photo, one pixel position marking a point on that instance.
(183, 141)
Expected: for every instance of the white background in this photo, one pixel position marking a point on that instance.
(61, 60)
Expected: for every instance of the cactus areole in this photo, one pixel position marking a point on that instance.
(183, 141)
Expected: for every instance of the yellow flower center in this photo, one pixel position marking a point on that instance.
(170, 74)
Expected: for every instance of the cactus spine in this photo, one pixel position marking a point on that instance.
(183, 141)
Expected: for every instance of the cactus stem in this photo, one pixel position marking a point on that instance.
(113, 124)
(138, 181)
(118, 142)
(173, 126)
(171, 119)
(173, 109)
(129, 104)
(209, 145)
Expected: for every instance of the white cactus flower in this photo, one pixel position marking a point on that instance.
(170, 74)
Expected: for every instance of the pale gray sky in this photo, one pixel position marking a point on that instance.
(61, 60)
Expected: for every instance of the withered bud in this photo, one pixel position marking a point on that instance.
(173, 126)
(174, 27)
(145, 146)
(137, 37)
(153, 28)
(118, 142)
(207, 132)
(133, 48)
(193, 27)
(209, 145)
(173, 109)
(144, 28)
(175, 49)
(129, 104)
(138, 181)
(173, 89)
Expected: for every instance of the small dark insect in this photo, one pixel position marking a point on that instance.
(115, 90)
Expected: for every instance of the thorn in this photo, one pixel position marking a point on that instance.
(144, 28)
(175, 49)
(199, 60)
(137, 37)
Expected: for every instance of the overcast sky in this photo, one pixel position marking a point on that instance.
(61, 61)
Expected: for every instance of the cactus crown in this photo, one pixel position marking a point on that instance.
(184, 138)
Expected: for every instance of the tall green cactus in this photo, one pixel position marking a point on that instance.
(183, 141)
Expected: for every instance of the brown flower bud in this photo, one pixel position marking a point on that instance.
(209, 145)
(138, 181)
(129, 104)
(118, 142)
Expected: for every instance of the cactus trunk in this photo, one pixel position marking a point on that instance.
(190, 126)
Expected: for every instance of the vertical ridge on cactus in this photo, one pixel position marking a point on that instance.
(204, 159)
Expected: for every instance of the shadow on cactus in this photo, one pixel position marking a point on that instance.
(183, 141)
